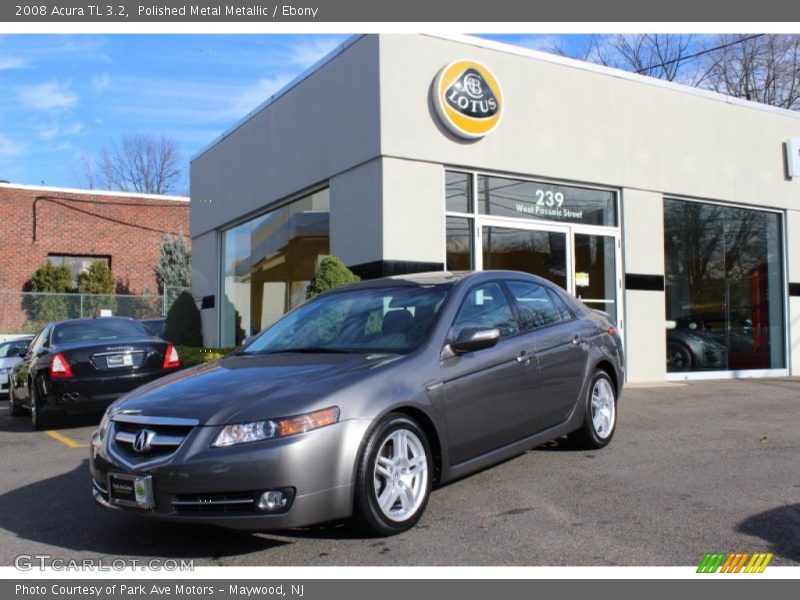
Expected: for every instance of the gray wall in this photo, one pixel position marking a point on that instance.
(326, 124)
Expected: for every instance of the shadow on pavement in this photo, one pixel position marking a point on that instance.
(61, 513)
(22, 423)
(780, 527)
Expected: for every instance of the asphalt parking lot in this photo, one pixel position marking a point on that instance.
(694, 468)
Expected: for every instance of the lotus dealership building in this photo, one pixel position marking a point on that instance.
(673, 209)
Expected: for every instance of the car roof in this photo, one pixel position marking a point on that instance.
(442, 277)
(93, 320)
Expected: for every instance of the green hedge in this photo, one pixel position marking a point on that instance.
(191, 356)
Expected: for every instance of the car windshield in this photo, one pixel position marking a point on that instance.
(98, 329)
(13, 348)
(392, 319)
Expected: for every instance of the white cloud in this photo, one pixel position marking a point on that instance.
(50, 131)
(11, 62)
(100, 82)
(50, 95)
(249, 98)
(10, 148)
(307, 53)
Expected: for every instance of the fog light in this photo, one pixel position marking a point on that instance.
(273, 500)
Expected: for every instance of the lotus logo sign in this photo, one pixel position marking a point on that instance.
(468, 99)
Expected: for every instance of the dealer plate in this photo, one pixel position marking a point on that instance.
(135, 491)
(119, 360)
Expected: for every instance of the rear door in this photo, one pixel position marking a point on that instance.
(558, 344)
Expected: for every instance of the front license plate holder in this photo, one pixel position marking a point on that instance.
(133, 491)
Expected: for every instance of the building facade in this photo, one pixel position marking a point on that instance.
(75, 228)
(673, 209)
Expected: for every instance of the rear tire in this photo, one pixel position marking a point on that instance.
(39, 421)
(394, 477)
(16, 411)
(600, 414)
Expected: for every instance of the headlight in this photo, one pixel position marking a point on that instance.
(3, 372)
(241, 433)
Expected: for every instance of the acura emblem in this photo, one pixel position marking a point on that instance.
(143, 439)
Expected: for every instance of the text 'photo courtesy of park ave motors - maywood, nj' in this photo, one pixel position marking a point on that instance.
(228, 10)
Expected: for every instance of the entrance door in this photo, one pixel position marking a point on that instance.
(585, 261)
(541, 251)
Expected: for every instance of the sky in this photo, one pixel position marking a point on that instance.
(65, 97)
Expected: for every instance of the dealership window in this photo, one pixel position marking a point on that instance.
(268, 262)
(77, 264)
(724, 288)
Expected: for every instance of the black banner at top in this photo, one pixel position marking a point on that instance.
(332, 11)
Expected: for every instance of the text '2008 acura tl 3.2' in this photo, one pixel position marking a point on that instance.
(360, 401)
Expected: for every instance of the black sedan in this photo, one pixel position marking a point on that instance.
(83, 365)
(360, 400)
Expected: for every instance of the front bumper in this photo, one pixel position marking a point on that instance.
(319, 466)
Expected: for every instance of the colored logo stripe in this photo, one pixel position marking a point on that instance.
(734, 562)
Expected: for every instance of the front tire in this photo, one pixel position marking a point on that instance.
(600, 416)
(394, 477)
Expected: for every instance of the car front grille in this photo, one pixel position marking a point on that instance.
(139, 439)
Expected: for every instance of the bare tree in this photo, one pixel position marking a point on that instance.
(764, 68)
(139, 162)
(656, 55)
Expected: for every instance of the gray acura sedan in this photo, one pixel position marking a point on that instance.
(360, 401)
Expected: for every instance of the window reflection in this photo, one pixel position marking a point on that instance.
(542, 253)
(268, 263)
(724, 299)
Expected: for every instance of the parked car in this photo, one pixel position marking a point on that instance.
(11, 352)
(360, 400)
(156, 325)
(83, 365)
(694, 350)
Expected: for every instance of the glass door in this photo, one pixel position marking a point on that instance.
(539, 251)
(583, 261)
(595, 280)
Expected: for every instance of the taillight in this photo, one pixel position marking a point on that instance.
(171, 360)
(59, 368)
(612, 330)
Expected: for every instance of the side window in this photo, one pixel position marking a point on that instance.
(560, 305)
(485, 307)
(37, 343)
(536, 308)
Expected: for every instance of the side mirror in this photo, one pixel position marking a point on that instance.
(475, 338)
(22, 352)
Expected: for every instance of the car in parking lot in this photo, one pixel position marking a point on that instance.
(362, 399)
(83, 365)
(11, 352)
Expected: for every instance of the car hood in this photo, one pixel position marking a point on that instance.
(7, 363)
(242, 388)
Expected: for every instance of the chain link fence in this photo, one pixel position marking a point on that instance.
(28, 312)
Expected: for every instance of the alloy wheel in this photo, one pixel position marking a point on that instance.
(604, 409)
(400, 476)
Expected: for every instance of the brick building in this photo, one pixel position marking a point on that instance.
(77, 227)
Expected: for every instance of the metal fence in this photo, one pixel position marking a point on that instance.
(28, 312)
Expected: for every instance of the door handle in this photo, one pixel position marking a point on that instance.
(523, 358)
(578, 339)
